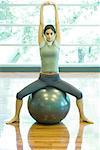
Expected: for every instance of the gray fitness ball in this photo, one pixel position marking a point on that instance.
(49, 105)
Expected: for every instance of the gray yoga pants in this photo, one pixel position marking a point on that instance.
(52, 81)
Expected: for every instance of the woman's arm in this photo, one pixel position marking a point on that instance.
(41, 25)
(57, 23)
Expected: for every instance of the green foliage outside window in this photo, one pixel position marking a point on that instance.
(80, 32)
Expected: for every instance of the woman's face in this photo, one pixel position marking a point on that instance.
(50, 35)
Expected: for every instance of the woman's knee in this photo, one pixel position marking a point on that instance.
(80, 95)
(19, 96)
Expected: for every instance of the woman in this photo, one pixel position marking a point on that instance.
(49, 43)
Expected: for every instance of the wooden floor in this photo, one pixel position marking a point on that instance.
(69, 135)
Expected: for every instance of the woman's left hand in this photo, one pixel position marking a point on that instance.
(52, 3)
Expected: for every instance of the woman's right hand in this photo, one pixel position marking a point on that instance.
(47, 3)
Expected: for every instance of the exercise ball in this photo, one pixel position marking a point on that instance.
(49, 105)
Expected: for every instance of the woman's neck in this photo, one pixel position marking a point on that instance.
(49, 43)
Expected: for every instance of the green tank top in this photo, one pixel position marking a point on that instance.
(49, 56)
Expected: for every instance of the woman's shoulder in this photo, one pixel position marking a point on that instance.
(57, 43)
(42, 44)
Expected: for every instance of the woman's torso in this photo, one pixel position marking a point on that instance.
(49, 57)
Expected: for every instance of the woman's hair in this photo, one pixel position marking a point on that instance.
(49, 26)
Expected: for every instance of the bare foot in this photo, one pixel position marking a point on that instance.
(85, 120)
(13, 120)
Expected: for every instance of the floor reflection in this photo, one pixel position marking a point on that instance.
(79, 139)
(48, 137)
(19, 141)
(72, 136)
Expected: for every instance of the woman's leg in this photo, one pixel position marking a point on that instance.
(68, 88)
(19, 104)
(31, 88)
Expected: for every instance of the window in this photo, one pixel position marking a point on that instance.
(80, 31)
